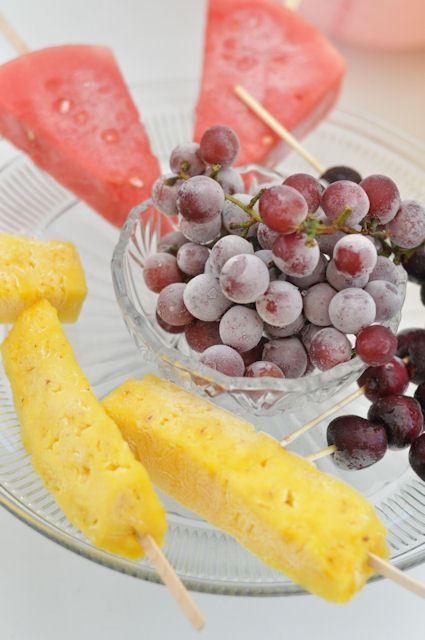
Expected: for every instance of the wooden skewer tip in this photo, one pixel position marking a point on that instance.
(12, 36)
(387, 570)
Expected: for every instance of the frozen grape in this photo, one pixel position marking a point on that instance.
(329, 347)
(187, 158)
(282, 208)
(244, 278)
(316, 303)
(224, 359)
(200, 335)
(219, 145)
(342, 195)
(384, 380)
(253, 354)
(201, 232)
(200, 199)
(169, 328)
(160, 270)
(281, 304)
(164, 195)
(385, 269)
(384, 197)
(226, 248)
(204, 298)
(289, 355)
(327, 241)
(266, 236)
(341, 172)
(355, 256)
(388, 299)
(417, 456)
(295, 255)
(307, 334)
(401, 417)
(263, 369)
(171, 242)
(289, 330)
(266, 256)
(376, 345)
(339, 281)
(318, 275)
(351, 310)
(191, 258)
(415, 266)
(231, 180)
(241, 328)
(359, 442)
(407, 229)
(234, 216)
(309, 187)
(171, 307)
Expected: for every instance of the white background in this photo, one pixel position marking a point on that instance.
(48, 593)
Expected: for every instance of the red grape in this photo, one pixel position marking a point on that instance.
(385, 269)
(200, 199)
(308, 333)
(415, 266)
(316, 303)
(359, 442)
(407, 229)
(224, 359)
(384, 380)
(266, 236)
(170, 305)
(318, 275)
(241, 328)
(344, 194)
(204, 298)
(160, 270)
(191, 258)
(230, 180)
(289, 355)
(164, 196)
(283, 208)
(200, 335)
(233, 216)
(244, 278)
(201, 232)
(287, 331)
(169, 328)
(309, 187)
(351, 310)
(339, 281)
(226, 248)
(384, 197)
(388, 299)
(253, 354)
(411, 344)
(329, 348)
(295, 255)
(263, 369)
(171, 242)
(401, 417)
(187, 158)
(280, 305)
(376, 345)
(417, 456)
(420, 396)
(219, 145)
(341, 172)
(355, 256)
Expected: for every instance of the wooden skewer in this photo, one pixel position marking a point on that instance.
(277, 127)
(292, 4)
(321, 453)
(386, 569)
(309, 425)
(172, 581)
(12, 36)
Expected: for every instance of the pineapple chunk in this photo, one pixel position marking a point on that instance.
(32, 270)
(307, 524)
(75, 447)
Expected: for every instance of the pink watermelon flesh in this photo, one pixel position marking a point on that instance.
(280, 59)
(68, 108)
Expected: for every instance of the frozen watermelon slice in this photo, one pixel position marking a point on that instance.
(278, 57)
(69, 109)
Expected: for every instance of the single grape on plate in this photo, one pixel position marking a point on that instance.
(359, 442)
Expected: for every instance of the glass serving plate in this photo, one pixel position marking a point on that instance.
(205, 558)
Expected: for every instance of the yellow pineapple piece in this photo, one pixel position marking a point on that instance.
(32, 270)
(75, 446)
(307, 524)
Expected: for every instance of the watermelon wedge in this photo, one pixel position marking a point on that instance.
(286, 63)
(68, 108)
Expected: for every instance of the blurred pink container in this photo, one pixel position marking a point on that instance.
(389, 24)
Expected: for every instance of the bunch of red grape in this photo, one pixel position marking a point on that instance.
(285, 279)
(394, 420)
